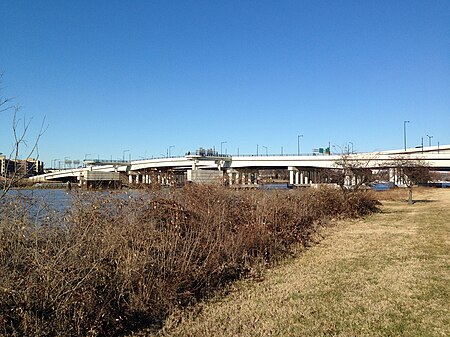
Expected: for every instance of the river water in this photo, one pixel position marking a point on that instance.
(53, 199)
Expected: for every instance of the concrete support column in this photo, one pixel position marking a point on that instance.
(293, 174)
(391, 175)
(137, 178)
(347, 180)
(302, 178)
(130, 178)
(297, 176)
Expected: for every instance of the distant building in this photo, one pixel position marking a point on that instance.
(6, 166)
(26, 168)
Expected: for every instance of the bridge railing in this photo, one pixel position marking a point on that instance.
(284, 155)
(105, 161)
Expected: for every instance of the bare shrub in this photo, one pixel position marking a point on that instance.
(115, 262)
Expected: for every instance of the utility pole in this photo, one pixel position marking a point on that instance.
(429, 140)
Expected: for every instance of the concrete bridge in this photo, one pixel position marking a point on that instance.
(302, 169)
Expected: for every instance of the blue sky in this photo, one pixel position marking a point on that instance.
(110, 76)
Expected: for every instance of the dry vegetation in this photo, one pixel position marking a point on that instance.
(385, 275)
(114, 264)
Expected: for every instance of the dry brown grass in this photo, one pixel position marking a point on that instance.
(398, 194)
(114, 264)
(386, 275)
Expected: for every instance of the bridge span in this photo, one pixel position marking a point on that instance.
(303, 169)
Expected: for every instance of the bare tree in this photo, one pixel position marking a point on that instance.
(410, 172)
(350, 173)
(21, 147)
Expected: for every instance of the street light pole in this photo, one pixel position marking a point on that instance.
(352, 146)
(221, 143)
(123, 154)
(429, 140)
(404, 132)
(298, 144)
(257, 149)
(171, 146)
(266, 149)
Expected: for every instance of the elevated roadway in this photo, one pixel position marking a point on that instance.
(438, 158)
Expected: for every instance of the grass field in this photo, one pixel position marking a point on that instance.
(385, 275)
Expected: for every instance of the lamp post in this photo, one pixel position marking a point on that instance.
(352, 146)
(429, 140)
(266, 149)
(123, 154)
(298, 144)
(171, 146)
(404, 132)
(257, 149)
(54, 162)
(221, 143)
(85, 158)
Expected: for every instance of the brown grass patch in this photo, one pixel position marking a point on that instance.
(386, 275)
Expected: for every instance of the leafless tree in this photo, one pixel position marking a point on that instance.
(350, 172)
(410, 172)
(20, 147)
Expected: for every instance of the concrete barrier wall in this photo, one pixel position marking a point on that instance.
(205, 176)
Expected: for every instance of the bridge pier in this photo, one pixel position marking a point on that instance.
(293, 172)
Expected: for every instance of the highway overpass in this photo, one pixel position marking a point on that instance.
(242, 169)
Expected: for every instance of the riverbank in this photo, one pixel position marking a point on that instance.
(385, 275)
(110, 264)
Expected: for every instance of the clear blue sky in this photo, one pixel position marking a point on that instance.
(110, 76)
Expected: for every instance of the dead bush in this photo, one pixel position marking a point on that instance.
(117, 262)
